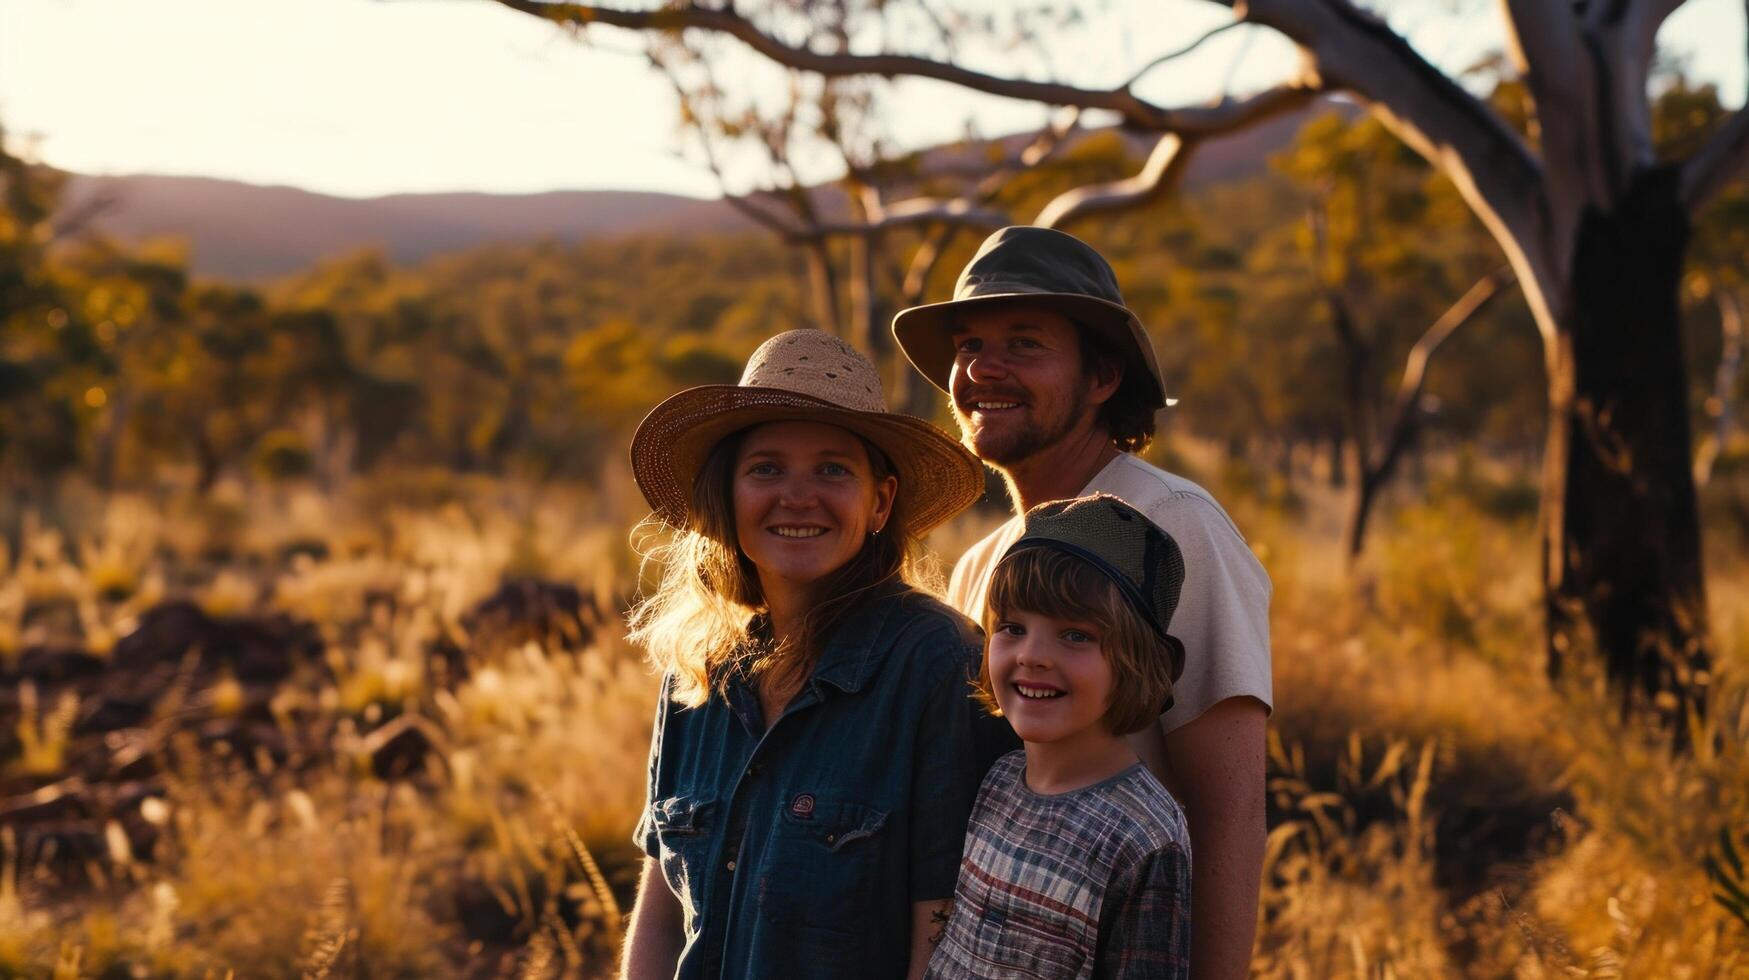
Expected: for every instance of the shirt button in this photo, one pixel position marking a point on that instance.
(831, 837)
(731, 866)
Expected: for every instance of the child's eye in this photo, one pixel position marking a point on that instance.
(1079, 636)
(1012, 629)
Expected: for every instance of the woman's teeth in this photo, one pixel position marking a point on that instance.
(1037, 693)
(800, 532)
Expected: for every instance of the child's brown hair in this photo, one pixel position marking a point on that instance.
(1054, 583)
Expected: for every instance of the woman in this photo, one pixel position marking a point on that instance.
(816, 752)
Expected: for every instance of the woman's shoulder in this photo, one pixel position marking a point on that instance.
(920, 618)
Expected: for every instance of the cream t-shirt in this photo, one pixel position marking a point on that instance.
(1223, 608)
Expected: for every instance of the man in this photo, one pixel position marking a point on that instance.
(1054, 382)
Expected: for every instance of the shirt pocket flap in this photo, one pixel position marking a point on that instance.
(835, 826)
(682, 816)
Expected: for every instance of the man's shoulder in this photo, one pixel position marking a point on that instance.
(1175, 503)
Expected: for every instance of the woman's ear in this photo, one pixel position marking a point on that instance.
(886, 491)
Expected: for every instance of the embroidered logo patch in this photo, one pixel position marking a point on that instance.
(802, 806)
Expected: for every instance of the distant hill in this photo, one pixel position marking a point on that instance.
(245, 231)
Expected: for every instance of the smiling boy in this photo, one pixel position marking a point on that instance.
(1077, 862)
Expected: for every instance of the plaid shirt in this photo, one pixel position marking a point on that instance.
(1093, 883)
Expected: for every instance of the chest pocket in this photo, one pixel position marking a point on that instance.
(825, 867)
(685, 829)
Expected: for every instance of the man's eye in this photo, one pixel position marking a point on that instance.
(1026, 343)
(968, 345)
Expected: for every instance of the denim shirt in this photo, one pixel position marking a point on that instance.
(798, 851)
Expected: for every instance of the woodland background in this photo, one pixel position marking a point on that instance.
(310, 580)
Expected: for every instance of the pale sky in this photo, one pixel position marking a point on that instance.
(367, 97)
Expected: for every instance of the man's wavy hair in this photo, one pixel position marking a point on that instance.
(697, 624)
(1128, 415)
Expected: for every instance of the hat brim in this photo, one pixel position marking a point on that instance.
(938, 478)
(925, 333)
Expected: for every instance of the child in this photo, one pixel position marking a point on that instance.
(1077, 860)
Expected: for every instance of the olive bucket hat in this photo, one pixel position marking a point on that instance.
(1143, 561)
(1041, 267)
(810, 376)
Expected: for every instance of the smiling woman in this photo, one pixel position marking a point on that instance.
(816, 748)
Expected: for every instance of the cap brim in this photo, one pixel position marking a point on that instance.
(925, 333)
(938, 478)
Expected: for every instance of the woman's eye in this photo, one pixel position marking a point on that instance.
(834, 469)
(762, 469)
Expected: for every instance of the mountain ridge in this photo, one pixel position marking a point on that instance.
(238, 230)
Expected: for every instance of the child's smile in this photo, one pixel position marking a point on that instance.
(1050, 678)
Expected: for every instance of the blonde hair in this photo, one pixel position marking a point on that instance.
(699, 623)
(1049, 582)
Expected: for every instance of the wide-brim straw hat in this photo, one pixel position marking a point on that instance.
(802, 375)
(1041, 267)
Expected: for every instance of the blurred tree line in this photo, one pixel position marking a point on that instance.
(1284, 306)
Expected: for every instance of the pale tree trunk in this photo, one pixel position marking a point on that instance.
(823, 287)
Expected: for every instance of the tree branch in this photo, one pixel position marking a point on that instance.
(1171, 155)
(1136, 112)
(1724, 157)
(1463, 311)
(1142, 72)
(1462, 138)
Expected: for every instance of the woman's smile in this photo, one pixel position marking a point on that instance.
(806, 500)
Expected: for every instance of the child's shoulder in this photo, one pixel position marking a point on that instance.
(1141, 813)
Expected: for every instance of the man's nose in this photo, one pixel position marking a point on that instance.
(986, 366)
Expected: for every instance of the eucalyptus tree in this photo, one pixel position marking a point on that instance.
(1593, 224)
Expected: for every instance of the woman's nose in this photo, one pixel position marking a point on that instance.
(796, 493)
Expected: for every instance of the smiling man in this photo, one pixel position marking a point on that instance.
(1054, 382)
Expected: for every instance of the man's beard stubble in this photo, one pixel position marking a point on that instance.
(1025, 440)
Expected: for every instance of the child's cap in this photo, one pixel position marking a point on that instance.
(1115, 538)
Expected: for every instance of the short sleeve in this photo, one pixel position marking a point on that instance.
(948, 767)
(1144, 922)
(1223, 610)
(644, 836)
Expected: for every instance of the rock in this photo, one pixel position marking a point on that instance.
(56, 665)
(552, 614)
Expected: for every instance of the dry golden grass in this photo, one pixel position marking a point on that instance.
(1412, 721)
